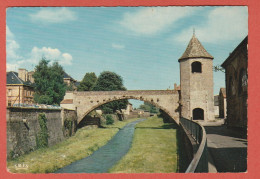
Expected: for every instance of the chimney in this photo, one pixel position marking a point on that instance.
(30, 76)
(175, 86)
(22, 74)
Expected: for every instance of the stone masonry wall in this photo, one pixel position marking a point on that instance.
(23, 126)
(197, 88)
(85, 102)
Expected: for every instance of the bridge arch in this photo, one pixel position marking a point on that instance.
(151, 101)
(86, 101)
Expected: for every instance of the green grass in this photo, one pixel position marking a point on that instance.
(154, 149)
(79, 146)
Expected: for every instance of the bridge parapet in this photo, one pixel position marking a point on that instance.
(129, 92)
(86, 101)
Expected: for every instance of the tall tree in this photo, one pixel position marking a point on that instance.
(110, 81)
(88, 82)
(49, 85)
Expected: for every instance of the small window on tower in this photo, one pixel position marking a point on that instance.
(196, 67)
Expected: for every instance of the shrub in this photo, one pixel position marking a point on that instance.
(68, 127)
(42, 136)
(109, 120)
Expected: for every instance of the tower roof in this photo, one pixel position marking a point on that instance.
(195, 50)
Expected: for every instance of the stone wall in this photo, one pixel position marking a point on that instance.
(23, 126)
(71, 116)
(85, 102)
(236, 86)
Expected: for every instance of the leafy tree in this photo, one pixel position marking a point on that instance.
(218, 68)
(49, 85)
(88, 82)
(149, 107)
(110, 81)
(70, 87)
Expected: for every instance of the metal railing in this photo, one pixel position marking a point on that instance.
(199, 163)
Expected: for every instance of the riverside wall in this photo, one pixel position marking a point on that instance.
(23, 127)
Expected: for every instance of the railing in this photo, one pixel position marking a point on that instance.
(199, 163)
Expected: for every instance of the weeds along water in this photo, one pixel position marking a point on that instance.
(81, 145)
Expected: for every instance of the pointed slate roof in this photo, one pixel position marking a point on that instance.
(195, 50)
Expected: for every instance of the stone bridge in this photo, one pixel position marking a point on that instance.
(86, 101)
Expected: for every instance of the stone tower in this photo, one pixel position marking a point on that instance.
(196, 79)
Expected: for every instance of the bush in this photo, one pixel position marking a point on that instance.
(42, 137)
(109, 120)
(68, 127)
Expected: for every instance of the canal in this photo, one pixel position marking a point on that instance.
(107, 156)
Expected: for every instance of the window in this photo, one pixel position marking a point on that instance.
(196, 67)
(9, 92)
(231, 87)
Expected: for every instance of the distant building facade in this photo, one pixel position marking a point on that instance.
(216, 106)
(236, 66)
(196, 81)
(222, 98)
(19, 89)
(128, 110)
(70, 81)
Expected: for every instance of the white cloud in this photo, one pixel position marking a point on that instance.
(11, 67)
(53, 15)
(15, 61)
(152, 20)
(223, 23)
(52, 54)
(118, 46)
(9, 34)
(11, 46)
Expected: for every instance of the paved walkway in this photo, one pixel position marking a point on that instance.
(227, 147)
(107, 156)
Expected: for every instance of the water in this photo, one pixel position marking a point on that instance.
(107, 156)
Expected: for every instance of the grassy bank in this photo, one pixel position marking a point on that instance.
(79, 146)
(154, 149)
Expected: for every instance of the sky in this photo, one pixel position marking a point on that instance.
(141, 44)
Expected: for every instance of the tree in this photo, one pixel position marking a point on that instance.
(49, 85)
(149, 107)
(218, 68)
(110, 81)
(88, 82)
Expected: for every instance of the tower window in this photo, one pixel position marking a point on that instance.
(196, 67)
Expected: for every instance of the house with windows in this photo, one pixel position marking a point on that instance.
(19, 88)
(236, 85)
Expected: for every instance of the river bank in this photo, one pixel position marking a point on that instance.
(81, 145)
(154, 149)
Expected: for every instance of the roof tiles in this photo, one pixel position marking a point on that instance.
(195, 50)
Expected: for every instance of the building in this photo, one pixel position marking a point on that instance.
(69, 81)
(236, 85)
(222, 98)
(196, 82)
(19, 89)
(128, 110)
(216, 106)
